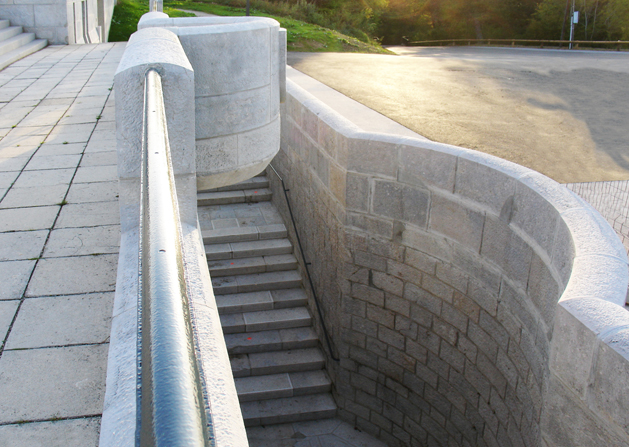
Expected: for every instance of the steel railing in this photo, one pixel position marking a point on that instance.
(306, 264)
(172, 411)
(513, 42)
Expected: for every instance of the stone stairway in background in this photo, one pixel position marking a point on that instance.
(277, 363)
(16, 44)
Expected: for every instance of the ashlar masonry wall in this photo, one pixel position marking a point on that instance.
(472, 301)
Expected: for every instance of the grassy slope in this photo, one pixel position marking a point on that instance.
(301, 36)
(127, 13)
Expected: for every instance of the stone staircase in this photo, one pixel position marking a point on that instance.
(277, 363)
(16, 44)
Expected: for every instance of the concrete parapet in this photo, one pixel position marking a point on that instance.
(161, 50)
(472, 301)
(239, 65)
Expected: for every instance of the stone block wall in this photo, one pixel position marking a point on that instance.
(472, 301)
(61, 21)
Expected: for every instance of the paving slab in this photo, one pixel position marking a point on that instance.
(90, 174)
(82, 241)
(93, 192)
(44, 178)
(81, 432)
(52, 383)
(77, 274)
(7, 312)
(22, 245)
(39, 162)
(15, 276)
(43, 322)
(89, 215)
(27, 219)
(34, 196)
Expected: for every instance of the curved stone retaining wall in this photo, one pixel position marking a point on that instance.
(472, 301)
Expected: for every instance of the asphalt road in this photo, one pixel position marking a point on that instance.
(565, 114)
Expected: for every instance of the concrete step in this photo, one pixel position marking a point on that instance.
(9, 31)
(16, 42)
(265, 320)
(277, 362)
(8, 58)
(4, 23)
(256, 282)
(237, 250)
(252, 183)
(288, 409)
(263, 300)
(244, 234)
(275, 386)
(257, 264)
(276, 340)
(239, 196)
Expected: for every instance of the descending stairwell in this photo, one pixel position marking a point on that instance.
(16, 44)
(277, 363)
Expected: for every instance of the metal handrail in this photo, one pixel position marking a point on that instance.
(618, 43)
(172, 413)
(306, 264)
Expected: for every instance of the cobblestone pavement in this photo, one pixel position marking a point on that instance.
(59, 238)
(611, 199)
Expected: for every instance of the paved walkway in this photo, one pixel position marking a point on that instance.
(59, 236)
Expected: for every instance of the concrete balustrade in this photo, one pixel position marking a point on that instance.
(239, 65)
(161, 50)
(473, 301)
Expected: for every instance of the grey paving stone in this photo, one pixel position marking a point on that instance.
(27, 219)
(277, 319)
(62, 320)
(92, 174)
(39, 162)
(89, 215)
(68, 433)
(310, 382)
(229, 234)
(34, 196)
(44, 178)
(83, 241)
(261, 248)
(244, 302)
(296, 338)
(40, 384)
(268, 281)
(47, 149)
(7, 178)
(93, 192)
(7, 312)
(81, 274)
(14, 276)
(100, 159)
(286, 361)
(75, 133)
(289, 298)
(12, 163)
(262, 341)
(21, 245)
(356, 438)
(263, 387)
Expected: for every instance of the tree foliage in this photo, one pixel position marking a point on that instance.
(396, 21)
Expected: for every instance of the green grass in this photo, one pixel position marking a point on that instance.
(301, 36)
(127, 14)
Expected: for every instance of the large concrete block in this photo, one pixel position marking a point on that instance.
(401, 202)
(159, 49)
(239, 68)
(455, 220)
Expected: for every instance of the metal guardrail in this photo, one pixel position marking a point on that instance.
(514, 42)
(172, 408)
(306, 264)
